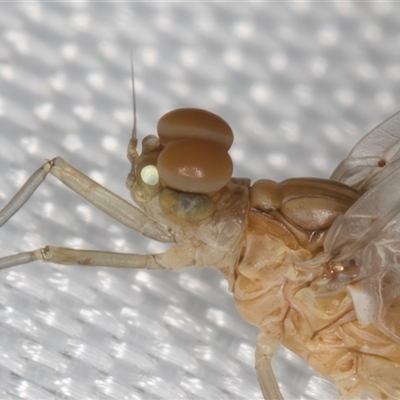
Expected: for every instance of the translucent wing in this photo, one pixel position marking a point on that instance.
(368, 220)
(370, 158)
(369, 232)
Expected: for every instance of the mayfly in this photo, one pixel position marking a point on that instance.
(314, 263)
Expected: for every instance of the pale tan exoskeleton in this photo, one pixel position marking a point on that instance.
(314, 263)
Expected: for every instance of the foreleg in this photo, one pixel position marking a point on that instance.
(108, 202)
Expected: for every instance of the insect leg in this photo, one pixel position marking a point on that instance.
(108, 202)
(175, 258)
(17, 259)
(23, 194)
(265, 375)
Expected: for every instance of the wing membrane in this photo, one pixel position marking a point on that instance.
(371, 157)
(369, 232)
(366, 220)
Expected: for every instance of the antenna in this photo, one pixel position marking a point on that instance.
(133, 98)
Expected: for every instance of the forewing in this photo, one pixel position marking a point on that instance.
(369, 232)
(372, 156)
(365, 223)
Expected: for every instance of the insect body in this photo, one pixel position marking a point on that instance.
(313, 262)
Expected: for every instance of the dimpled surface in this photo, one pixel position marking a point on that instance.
(299, 83)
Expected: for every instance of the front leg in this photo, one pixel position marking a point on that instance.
(102, 198)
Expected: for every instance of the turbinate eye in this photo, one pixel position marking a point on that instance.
(194, 165)
(185, 123)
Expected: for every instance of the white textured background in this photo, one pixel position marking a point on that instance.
(299, 83)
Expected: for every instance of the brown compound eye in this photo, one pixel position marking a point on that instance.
(185, 123)
(195, 166)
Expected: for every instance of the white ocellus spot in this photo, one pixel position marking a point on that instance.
(149, 175)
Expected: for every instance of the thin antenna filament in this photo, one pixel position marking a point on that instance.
(134, 127)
